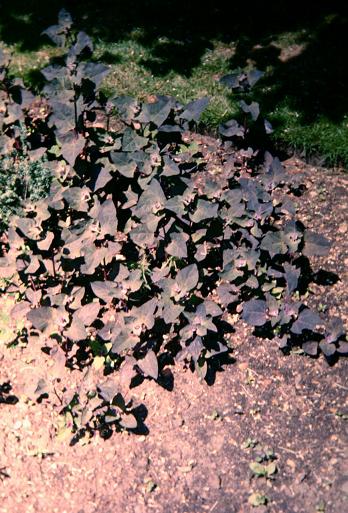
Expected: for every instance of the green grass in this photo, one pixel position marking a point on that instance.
(131, 74)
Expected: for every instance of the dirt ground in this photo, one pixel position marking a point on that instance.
(201, 438)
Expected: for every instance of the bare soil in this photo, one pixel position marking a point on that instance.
(200, 439)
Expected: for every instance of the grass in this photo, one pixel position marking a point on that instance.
(140, 71)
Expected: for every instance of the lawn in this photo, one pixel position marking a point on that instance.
(181, 50)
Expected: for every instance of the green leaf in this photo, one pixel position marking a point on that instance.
(258, 469)
(258, 499)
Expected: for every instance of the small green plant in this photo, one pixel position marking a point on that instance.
(21, 179)
(250, 443)
(264, 464)
(263, 470)
(258, 499)
(24, 172)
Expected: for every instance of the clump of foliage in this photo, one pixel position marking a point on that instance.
(23, 172)
(140, 253)
(20, 180)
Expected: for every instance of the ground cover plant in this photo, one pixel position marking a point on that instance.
(139, 255)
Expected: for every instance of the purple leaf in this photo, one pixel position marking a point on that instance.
(307, 320)
(88, 313)
(255, 312)
(310, 348)
(149, 365)
(315, 244)
(72, 147)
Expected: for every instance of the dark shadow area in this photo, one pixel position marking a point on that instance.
(312, 75)
(323, 277)
(216, 364)
(5, 396)
(140, 413)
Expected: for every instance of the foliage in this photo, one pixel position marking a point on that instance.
(21, 180)
(23, 173)
(140, 253)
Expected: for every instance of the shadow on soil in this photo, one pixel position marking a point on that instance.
(5, 396)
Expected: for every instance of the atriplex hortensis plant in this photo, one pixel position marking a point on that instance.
(141, 253)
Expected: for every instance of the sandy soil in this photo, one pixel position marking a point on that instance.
(200, 439)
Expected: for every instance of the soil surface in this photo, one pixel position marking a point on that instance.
(201, 438)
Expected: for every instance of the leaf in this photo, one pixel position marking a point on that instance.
(77, 198)
(227, 294)
(64, 18)
(177, 246)
(76, 330)
(55, 33)
(342, 348)
(187, 279)
(124, 163)
(104, 177)
(253, 109)
(34, 296)
(151, 200)
(63, 118)
(271, 468)
(128, 421)
(171, 313)
(310, 348)
(72, 147)
(127, 372)
(156, 112)
(205, 210)
(88, 313)
(105, 290)
(142, 236)
(132, 141)
(315, 244)
(291, 274)
(335, 330)
(54, 71)
(171, 168)
(168, 129)
(28, 227)
(126, 107)
(257, 499)
(124, 341)
(273, 243)
(327, 349)
(232, 80)
(194, 109)
(83, 42)
(20, 310)
(231, 129)
(257, 469)
(43, 318)
(255, 312)
(45, 244)
(107, 391)
(307, 320)
(107, 217)
(95, 72)
(268, 127)
(253, 76)
(149, 365)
